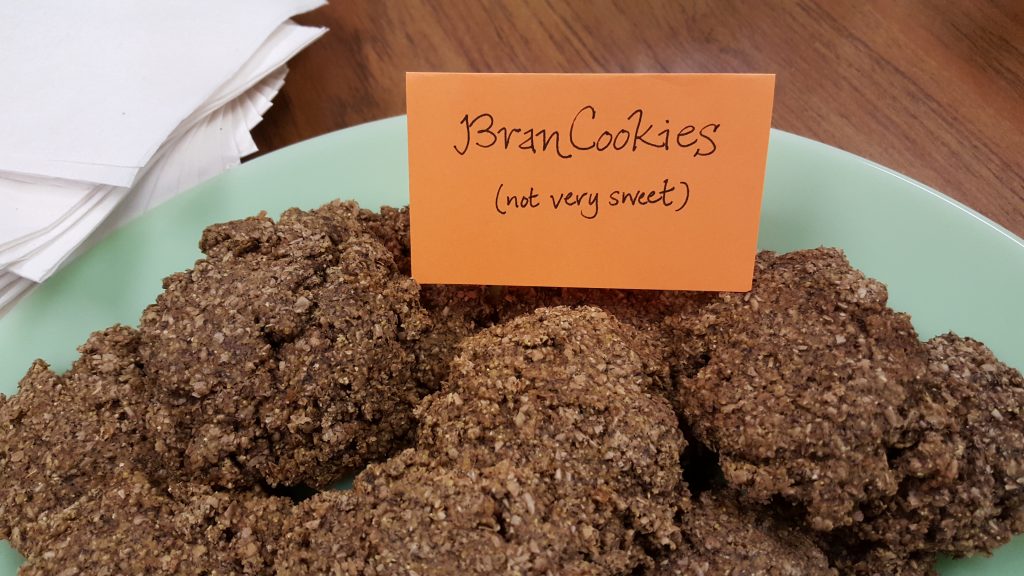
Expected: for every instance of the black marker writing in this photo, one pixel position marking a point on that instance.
(588, 203)
(587, 132)
(524, 201)
(578, 199)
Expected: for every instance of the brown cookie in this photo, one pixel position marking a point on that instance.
(800, 385)
(723, 535)
(62, 436)
(282, 356)
(546, 450)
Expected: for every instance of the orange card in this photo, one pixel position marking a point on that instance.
(587, 180)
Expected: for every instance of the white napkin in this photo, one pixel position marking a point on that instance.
(207, 149)
(102, 84)
(83, 170)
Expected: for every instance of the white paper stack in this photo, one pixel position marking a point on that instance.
(110, 107)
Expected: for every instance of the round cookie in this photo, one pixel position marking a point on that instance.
(281, 357)
(800, 385)
(961, 466)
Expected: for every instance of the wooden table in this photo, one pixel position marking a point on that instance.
(932, 89)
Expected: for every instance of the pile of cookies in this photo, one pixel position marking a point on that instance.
(799, 428)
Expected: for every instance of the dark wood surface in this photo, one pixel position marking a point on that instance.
(932, 89)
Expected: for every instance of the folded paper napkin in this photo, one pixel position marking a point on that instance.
(119, 105)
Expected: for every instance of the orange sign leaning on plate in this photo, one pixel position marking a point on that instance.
(587, 180)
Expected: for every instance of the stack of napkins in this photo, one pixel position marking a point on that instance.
(110, 107)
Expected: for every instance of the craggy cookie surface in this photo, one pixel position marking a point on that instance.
(722, 535)
(282, 356)
(961, 466)
(133, 527)
(64, 435)
(800, 384)
(798, 429)
(547, 449)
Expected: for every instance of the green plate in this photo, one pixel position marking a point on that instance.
(949, 267)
